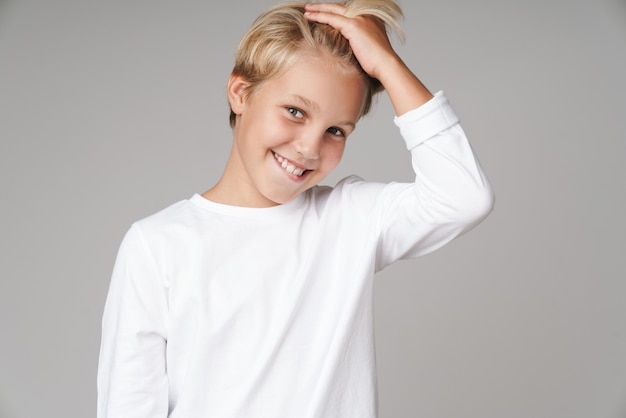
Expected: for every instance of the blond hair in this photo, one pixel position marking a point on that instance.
(280, 35)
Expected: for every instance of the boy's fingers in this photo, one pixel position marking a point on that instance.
(326, 7)
(337, 21)
(331, 19)
(332, 14)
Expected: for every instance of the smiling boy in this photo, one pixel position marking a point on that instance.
(254, 299)
(290, 133)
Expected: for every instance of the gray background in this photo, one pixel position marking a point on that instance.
(110, 111)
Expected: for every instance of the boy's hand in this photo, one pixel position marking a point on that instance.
(368, 39)
(370, 44)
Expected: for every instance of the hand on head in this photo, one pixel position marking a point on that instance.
(367, 35)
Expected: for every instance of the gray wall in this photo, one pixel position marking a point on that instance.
(112, 110)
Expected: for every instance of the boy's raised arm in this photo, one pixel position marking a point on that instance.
(450, 194)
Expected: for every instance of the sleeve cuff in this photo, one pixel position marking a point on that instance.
(431, 118)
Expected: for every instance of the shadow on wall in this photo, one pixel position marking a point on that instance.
(4, 5)
(620, 7)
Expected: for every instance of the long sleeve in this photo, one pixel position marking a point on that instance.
(132, 380)
(450, 194)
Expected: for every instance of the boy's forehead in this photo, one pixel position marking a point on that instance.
(310, 73)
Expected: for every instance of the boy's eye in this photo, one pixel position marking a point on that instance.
(295, 112)
(335, 131)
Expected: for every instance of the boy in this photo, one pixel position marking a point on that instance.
(254, 299)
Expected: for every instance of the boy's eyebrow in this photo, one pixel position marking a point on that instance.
(308, 103)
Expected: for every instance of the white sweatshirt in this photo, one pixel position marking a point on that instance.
(223, 311)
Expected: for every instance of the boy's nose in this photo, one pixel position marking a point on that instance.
(308, 145)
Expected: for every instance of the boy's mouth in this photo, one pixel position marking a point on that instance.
(289, 166)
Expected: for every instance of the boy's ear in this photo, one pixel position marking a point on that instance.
(236, 90)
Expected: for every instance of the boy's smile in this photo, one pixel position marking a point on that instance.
(291, 167)
(290, 131)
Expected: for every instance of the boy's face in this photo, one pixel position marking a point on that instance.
(291, 131)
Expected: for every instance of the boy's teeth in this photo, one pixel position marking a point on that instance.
(290, 168)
